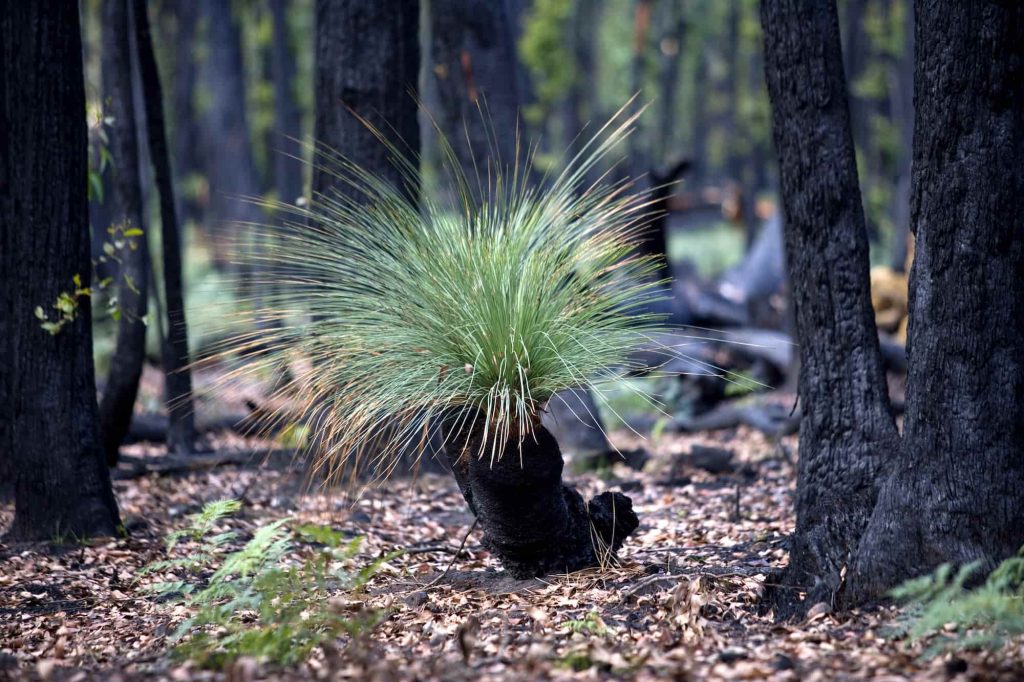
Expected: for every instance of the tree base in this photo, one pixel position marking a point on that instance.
(532, 522)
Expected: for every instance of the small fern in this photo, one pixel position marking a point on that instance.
(270, 599)
(956, 617)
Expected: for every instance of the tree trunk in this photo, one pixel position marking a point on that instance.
(699, 138)
(639, 146)
(49, 430)
(847, 431)
(580, 101)
(956, 493)
(287, 145)
(903, 114)
(474, 61)
(367, 64)
(185, 134)
(671, 58)
(118, 401)
(531, 521)
(231, 169)
(181, 434)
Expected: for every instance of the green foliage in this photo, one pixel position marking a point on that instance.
(66, 307)
(545, 51)
(590, 624)
(711, 249)
(271, 600)
(407, 313)
(956, 617)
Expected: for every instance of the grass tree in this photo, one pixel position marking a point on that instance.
(463, 319)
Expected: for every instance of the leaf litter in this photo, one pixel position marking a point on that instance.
(682, 603)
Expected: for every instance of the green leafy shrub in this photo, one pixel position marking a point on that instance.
(390, 314)
(958, 617)
(271, 600)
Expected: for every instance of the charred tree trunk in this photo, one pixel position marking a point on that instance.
(847, 432)
(474, 60)
(287, 147)
(699, 142)
(535, 524)
(49, 430)
(903, 113)
(132, 251)
(367, 64)
(181, 433)
(579, 101)
(671, 57)
(229, 162)
(639, 147)
(956, 493)
(185, 135)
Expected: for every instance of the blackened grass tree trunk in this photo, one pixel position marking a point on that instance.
(181, 434)
(130, 249)
(534, 523)
(956, 491)
(49, 429)
(367, 65)
(847, 432)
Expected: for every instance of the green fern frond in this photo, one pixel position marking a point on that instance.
(956, 617)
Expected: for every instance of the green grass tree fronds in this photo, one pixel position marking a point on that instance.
(393, 313)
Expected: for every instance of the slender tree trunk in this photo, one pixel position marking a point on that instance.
(122, 385)
(903, 114)
(287, 146)
(367, 64)
(49, 430)
(671, 58)
(186, 134)
(580, 103)
(699, 142)
(847, 432)
(734, 161)
(231, 169)
(639, 146)
(475, 61)
(181, 433)
(956, 493)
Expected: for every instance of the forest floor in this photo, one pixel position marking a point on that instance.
(682, 603)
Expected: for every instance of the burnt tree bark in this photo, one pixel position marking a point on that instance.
(367, 63)
(535, 524)
(181, 433)
(956, 492)
(287, 153)
(580, 103)
(474, 61)
(847, 432)
(49, 430)
(953, 489)
(229, 160)
(132, 252)
(671, 59)
(185, 134)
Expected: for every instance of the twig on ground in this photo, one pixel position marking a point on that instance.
(454, 558)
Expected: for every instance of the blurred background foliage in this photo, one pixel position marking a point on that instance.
(696, 63)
